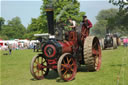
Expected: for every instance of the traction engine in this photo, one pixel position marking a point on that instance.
(65, 55)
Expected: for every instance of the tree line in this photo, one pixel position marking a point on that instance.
(113, 19)
(63, 9)
(14, 29)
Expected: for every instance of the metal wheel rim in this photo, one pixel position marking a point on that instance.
(38, 67)
(67, 67)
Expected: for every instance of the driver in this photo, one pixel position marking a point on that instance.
(73, 24)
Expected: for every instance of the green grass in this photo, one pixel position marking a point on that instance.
(15, 70)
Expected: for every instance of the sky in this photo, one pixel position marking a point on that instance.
(27, 9)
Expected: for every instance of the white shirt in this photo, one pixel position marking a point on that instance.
(74, 23)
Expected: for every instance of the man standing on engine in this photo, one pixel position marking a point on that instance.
(85, 28)
(87, 23)
(73, 24)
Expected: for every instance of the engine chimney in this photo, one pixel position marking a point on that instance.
(50, 18)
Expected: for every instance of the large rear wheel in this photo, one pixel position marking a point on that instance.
(92, 53)
(38, 67)
(67, 67)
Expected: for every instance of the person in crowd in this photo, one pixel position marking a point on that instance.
(37, 47)
(34, 47)
(9, 48)
(125, 42)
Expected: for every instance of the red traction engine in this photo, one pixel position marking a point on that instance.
(65, 56)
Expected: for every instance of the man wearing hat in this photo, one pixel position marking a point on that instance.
(87, 23)
(85, 27)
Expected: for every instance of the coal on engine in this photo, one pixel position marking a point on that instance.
(65, 55)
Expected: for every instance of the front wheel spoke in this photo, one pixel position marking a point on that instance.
(70, 73)
(44, 61)
(37, 63)
(43, 66)
(37, 72)
(66, 75)
(37, 60)
(71, 69)
(64, 62)
(69, 60)
(44, 70)
(62, 69)
(72, 65)
(63, 65)
(65, 72)
(34, 66)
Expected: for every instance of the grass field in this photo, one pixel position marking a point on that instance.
(15, 70)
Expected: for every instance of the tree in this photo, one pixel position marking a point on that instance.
(14, 29)
(123, 4)
(1, 22)
(107, 14)
(63, 9)
(121, 18)
(99, 29)
(101, 25)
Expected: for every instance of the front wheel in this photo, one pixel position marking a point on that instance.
(67, 67)
(38, 67)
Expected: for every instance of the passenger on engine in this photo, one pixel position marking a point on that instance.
(87, 23)
(85, 28)
(73, 24)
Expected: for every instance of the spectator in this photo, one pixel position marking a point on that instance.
(125, 42)
(37, 47)
(34, 47)
(9, 48)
